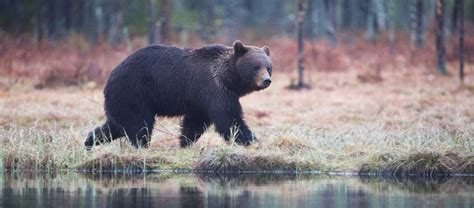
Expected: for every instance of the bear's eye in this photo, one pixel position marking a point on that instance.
(256, 67)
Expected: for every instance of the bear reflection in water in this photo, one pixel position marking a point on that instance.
(238, 190)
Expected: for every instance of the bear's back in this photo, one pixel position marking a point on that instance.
(165, 77)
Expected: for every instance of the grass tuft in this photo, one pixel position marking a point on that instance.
(230, 159)
(467, 166)
(223, 160)
(29, 162)
(419, 164)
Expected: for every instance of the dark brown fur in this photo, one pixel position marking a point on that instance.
(203, 85)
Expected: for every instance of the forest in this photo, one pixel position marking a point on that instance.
(360, 86)
(404, 26)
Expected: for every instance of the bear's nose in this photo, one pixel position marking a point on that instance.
(267, 82)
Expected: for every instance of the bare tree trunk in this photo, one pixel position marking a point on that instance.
(78, 17)
(347, 14)
(100, 17)
(380, 13)
(440, 48)
(454, 17)
(349, 18)
(211, 16)
(107, 17)
(330, 24)
(116, 23)
(391, 11)
(67, 13)
(370, 32)
(52, 31)
(417, 23)
(39, 21)
(300, 41)
(233, 19)
(460, 8)
(92, 20)
(309, 17)
(151, 22)
(17, 7)
(165, 21)
(206, 19)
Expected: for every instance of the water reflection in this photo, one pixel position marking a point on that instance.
(239, 190)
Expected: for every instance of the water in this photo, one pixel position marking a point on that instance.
(244, 190)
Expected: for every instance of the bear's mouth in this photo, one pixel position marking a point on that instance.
(262, 87)
(263, 78)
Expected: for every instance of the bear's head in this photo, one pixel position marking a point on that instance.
(252, 67)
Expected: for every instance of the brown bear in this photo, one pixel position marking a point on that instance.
(203, 85)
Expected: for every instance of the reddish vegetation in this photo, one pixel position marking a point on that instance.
(64, 63)
(73, 61)
(362, 55)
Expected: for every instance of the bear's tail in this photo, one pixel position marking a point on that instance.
(101, 135)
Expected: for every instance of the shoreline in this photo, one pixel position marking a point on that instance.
(421, 165)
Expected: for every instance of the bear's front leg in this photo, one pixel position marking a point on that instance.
(229, 123)
(192, 127)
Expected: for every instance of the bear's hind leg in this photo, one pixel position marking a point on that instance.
(104, 134)
(192, 127)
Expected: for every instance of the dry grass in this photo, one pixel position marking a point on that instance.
(410, 123)
(232, 159)
(419, 164)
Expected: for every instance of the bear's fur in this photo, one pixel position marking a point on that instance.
(203, 85)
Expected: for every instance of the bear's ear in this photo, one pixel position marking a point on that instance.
(267, 50)
(239, 47)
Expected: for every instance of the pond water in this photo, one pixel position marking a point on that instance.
(238, 190)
